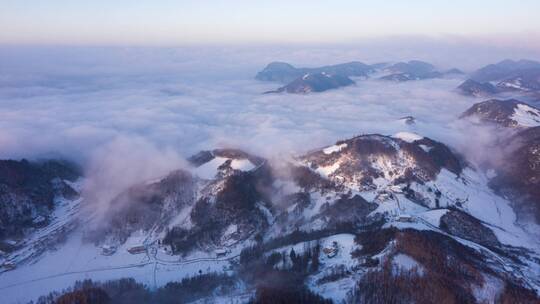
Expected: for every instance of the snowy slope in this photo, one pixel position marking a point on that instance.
(526, 116)
(370, 182)
(507, 113)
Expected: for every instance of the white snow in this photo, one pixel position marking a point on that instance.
(433, 216)
(489, 291)
(76, 260)
(515, 84)
(403, 262)
(286, 187)
(318, 200)
(490, 173)
(242, 165)
(137, 238)
(480, 201)
(334, 148)
(326, 74)
(526, 116)
(425, 148)
(209, 169)
(182, 218)
(326, 171)
(399, 205)
(336, 290)
(408, 136)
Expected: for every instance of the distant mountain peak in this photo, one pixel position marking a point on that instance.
(285, 73)
(507, 113)
(474, 88)
(414, 70)
(504, 69)
(315, 82)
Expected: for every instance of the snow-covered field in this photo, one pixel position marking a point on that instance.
(77, 260)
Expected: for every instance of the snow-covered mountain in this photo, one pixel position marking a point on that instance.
(518, 178)
(508, 76)
(285, 73)
(29, 192)
(306, 80)
(474, 88)
(504, 69)
(412, 70)
(315, 82)
(506, 113)
(521, 81)
(339, 220)
(415, 70)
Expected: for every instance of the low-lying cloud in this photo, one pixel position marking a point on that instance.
(122, 163)
(73, 102)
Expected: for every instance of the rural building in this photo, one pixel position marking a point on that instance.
(137, 249)
(108, 250)
(331, 251)
(405, 218)
(221, 252)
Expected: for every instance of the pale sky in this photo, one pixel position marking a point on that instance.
(167, 22)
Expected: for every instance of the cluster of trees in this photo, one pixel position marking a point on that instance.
(181, 240)
(288, 295)
(295, 237)
(389, 286)
(253, 260)
(128, 291)
(335, 273)
(305, 262)
(85, 296)
(373, 242)
(256, 252)
(235, 203)
(513, 293)
(279, 276)
(449, 269)
(450, 272)
(444, 258)
(197, 287)
(89, 292)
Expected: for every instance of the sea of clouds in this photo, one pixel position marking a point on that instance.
(140, 109)
(128, 115)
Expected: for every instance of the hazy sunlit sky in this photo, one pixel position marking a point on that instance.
(166, 22)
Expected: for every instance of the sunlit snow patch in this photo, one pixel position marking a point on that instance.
(489, 290)
(426, 148)
(408, 136)
(334, 148)
(242, 165)
(433, 216)
(326, 171)
(403, 262)
(209, 170)
(526, 116)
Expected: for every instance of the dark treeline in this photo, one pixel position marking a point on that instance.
(279, 277)
(297, 294)
(449, 271)
(299, 236)
(128, 291)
